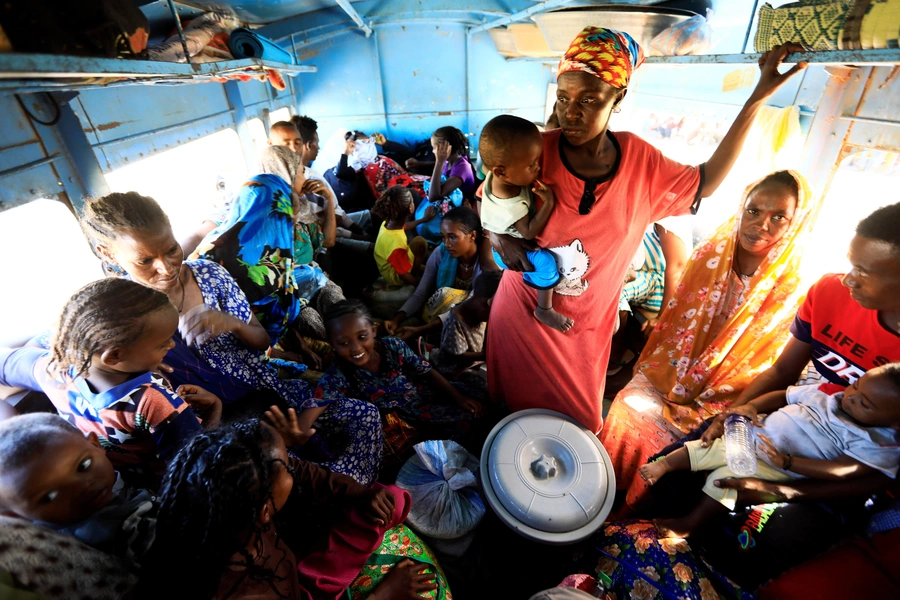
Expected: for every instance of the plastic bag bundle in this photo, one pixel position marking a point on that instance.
(693, 36)
(431, 230)
(441, 479)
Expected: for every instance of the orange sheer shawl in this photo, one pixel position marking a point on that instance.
(699, 356)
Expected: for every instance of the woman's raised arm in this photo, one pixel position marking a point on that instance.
(720, 163)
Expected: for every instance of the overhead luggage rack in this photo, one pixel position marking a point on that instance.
(871, 58)
(49, 72)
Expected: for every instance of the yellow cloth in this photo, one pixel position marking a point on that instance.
(442, 301)
(701, 355)
(388, 242)
(713, 459)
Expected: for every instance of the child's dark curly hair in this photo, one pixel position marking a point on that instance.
(209, 507)
(393, 205)
(341, 309)
(101, 315)
(459, 143)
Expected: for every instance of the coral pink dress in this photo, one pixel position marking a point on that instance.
(533, 366)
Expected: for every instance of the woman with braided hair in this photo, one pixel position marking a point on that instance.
(217, 510)
(220, 344)
(111, 334)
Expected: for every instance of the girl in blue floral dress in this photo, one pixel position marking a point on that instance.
(387, 373)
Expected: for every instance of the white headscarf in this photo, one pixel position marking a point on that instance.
(363, 155)
(285, 163)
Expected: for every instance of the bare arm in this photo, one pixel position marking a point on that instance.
(530, 227)
(676, 255)
(329, 223)
(203, 323)
(446, 389)
(511, 250)
(190, 243)
(428, 215)
(253, 334)
(720, 163)
(785, 372)
(440, 190)
(409, 278)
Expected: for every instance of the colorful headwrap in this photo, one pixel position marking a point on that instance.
(605, 53)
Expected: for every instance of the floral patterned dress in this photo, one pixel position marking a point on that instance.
(644, 566)
(350, 428)
(394, 389)
(399, 543)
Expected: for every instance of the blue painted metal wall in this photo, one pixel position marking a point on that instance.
(408, 80)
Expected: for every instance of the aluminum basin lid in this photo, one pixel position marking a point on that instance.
(547, 476)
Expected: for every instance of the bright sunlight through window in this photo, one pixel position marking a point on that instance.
(183, 180)
(282, 114)
(34, 296)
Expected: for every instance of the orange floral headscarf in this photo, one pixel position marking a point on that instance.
(605, 53)
(698, 356)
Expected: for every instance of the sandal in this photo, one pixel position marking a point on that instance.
(627, 357)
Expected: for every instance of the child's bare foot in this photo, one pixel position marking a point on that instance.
(672, 528)
(551, 318)
(405, 580)
(651, 472)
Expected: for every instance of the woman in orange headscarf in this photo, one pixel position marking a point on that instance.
(609, 186)
(727, 323)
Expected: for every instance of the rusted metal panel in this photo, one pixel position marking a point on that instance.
(119, 114)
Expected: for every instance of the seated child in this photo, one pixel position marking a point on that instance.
(55, 476)
(388, 373)
(808, 433)
(511, 149)
(465, 328)
(399, 261)
(217, 513)
(112, 333)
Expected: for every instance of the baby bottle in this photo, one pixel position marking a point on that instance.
(740, 449)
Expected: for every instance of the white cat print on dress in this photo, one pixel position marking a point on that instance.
(572, 262)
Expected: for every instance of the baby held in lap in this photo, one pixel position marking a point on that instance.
(808, 433)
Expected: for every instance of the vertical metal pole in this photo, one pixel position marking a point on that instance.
(750, 26)
(187, 54)
(81, 154)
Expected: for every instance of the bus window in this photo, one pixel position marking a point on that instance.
(45, 260)
(865, 180)
(282, 114)
(184, 179)
(258, 134)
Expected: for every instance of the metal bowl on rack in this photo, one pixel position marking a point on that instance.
(643, 23)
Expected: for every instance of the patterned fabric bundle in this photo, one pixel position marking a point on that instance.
(814, 24)
(605, 53)
(256, 246)
(398, 544)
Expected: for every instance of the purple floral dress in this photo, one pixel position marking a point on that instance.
(395, 387)
(350, 429)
